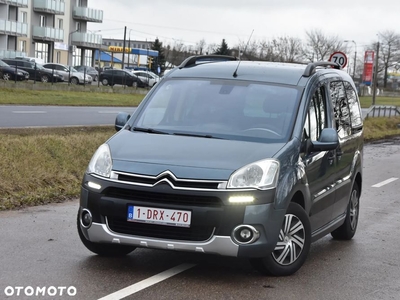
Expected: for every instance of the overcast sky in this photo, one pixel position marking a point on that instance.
(189, 21)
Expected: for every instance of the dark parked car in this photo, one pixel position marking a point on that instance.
(251, 159)
(36, 71)
(116, 76)
(11, 73)
(88, 70)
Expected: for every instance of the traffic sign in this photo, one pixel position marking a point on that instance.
(339, 57)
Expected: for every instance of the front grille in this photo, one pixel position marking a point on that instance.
(196, 184)
(177, 199)
(194, 233)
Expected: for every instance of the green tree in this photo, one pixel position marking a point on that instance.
(223, 49)
(160, 60)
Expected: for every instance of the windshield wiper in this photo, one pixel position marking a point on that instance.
(208, 136)
(149, 130)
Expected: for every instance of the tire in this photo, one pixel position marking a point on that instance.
(349, 227)
(6, 76)
(74, 80)
(104, 81)
(281, 261)
(44, 78)
(108, 250)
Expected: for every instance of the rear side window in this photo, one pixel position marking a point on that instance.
(354, 105)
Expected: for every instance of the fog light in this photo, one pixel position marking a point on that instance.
(86, 218)
(245, 234)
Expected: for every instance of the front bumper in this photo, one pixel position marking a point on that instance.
(213, 219)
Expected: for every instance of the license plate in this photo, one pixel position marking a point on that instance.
(161, 216)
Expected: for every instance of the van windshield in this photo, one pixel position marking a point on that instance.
(228, 109)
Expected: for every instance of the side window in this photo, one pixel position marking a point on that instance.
(316, 117)
(355, 110)
(341, 108)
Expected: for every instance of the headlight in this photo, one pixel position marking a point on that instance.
(261, 175)
(20, 73)
(101, 163)
(88, 77)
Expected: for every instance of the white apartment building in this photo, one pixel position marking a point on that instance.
(52, 30)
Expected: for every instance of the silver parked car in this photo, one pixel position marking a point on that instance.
(69, 73)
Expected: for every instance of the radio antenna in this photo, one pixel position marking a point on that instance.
(240, 57)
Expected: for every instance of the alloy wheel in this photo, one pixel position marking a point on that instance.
(291, 241)
(354, 209)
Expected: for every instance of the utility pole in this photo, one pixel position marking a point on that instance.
(123, 49)
(375, 74)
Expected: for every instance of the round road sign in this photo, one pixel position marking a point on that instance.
(339, 57)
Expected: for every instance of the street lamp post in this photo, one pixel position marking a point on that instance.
(70, 50)
(355, 56)
(129, 46)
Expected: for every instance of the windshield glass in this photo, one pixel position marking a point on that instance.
(3, 64)
(40, 67)
(228, 109)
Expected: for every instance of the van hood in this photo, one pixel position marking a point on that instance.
(186, 157)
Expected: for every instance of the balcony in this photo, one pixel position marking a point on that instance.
(19, 3)
(88, 14)
(13, 28)
(84, 39)
(55, 7)
(11, 53)
(48, 34)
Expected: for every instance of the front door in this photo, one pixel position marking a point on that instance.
(319, 166)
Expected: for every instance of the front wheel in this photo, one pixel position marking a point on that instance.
(349, 227)
(6, 76)
(74, 80)
(44, 78)
(293, 245)
(102, 249)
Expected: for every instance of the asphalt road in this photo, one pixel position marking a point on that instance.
(17, 116)
(40, 248)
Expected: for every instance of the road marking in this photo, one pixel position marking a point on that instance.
(29, 112)
(385, 182)
(141, 285)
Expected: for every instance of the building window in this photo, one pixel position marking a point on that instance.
(76, 57)
(42, 51)
(60, 23)
(88, 57)
(24, 17)
(22, 46)
(42, 21)
(58, 57)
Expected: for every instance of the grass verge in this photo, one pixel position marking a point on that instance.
(40, 166)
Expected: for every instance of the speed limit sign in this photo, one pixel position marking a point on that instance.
(339, 57)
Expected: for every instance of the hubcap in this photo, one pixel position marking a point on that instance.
(291, 241)
(354, 209)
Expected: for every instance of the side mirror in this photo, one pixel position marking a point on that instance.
(328, 140)
(121, 119)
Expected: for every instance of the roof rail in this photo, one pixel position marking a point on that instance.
(310, 69)
(191, 61)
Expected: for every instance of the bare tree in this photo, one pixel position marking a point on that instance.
(320, 47)
(200, 46)
(389, 52)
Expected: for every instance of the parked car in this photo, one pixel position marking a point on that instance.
(70, 74)
(149, 77)
(246, 159)
(88, 70)
(117, 76)
(36, 71)
(11, 73)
